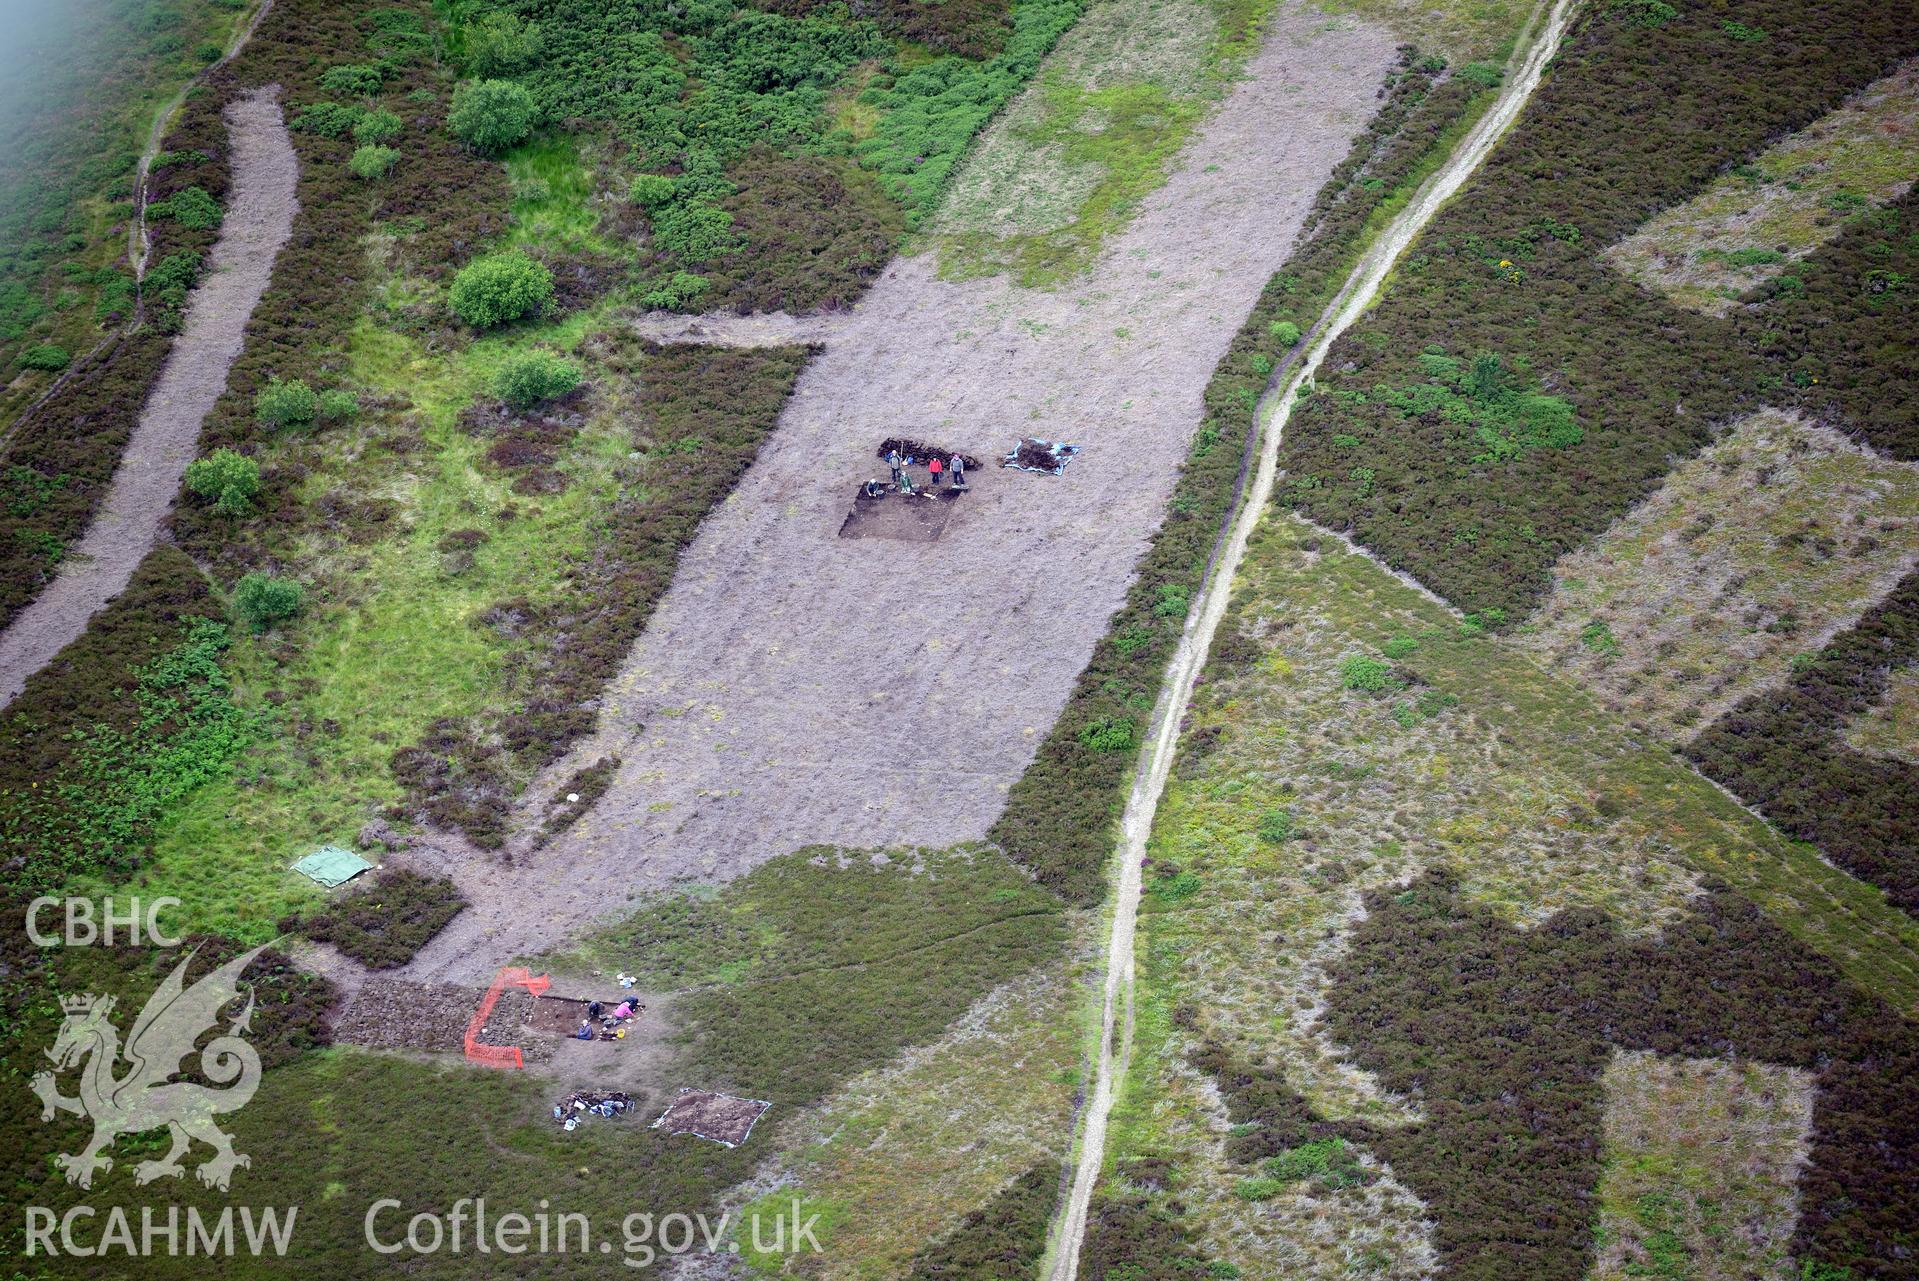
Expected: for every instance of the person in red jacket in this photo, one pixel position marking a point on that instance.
(933, 468)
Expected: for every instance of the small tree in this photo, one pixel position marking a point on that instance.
(377, 127)
(264, 601)
(491, 115)
(1286, 331)
(371, 163)
(500, 44)
(227, 479)
(529, 377)
(285, 404)
(500, 287)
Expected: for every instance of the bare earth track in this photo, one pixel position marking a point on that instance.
(1536, 46)
(259, 219)
(797, 687)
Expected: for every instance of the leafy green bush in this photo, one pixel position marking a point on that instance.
(328, 119)
(264, 601)
(24, 491)
(1286, 331)
(529, 377)
(338, 406)
(652, 191)
(50, 357)
(285, 404)
(500, 287)
(191, 207)
(677, 291)
(1110, 734)
(372, 163)
(693, 231)
(1399, 647)
(363, 79)
(1370, 675)
(225, 478)
(377, 127)
(491, 115)
(500, 44)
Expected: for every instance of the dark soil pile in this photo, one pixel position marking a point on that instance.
(919, 451)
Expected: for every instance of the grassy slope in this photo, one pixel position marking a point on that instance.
(1533, 794)
(78, 113)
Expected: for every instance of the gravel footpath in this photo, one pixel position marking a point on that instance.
(259, 218)
(797, 687)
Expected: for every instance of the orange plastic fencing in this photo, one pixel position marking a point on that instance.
(500, 1056)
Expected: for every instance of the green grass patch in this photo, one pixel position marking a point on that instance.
(554, 181)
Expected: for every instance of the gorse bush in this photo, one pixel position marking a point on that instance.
(264, 602)
(191, 207)
(362, 79)
(529, 377)
(371, 163)
(48, 357)
(1369, 675)
(285, 404)
(491, 115)
(228, 480)
(500, 287)
(328, 119)
(1113, 734)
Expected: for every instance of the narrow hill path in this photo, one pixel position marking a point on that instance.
(1536, 47)
(723, 329)
(808, 679)
(258, 221)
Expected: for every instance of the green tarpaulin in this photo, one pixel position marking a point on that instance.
(330, 865)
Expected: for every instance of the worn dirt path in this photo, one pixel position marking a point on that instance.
(259, 218)
(1536, 46)
(722, 329)
(797, 687)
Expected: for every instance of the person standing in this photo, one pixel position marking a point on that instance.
(933, 469)
(893, 461)
(958, 468)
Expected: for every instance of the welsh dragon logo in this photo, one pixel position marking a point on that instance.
(145, 1096)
